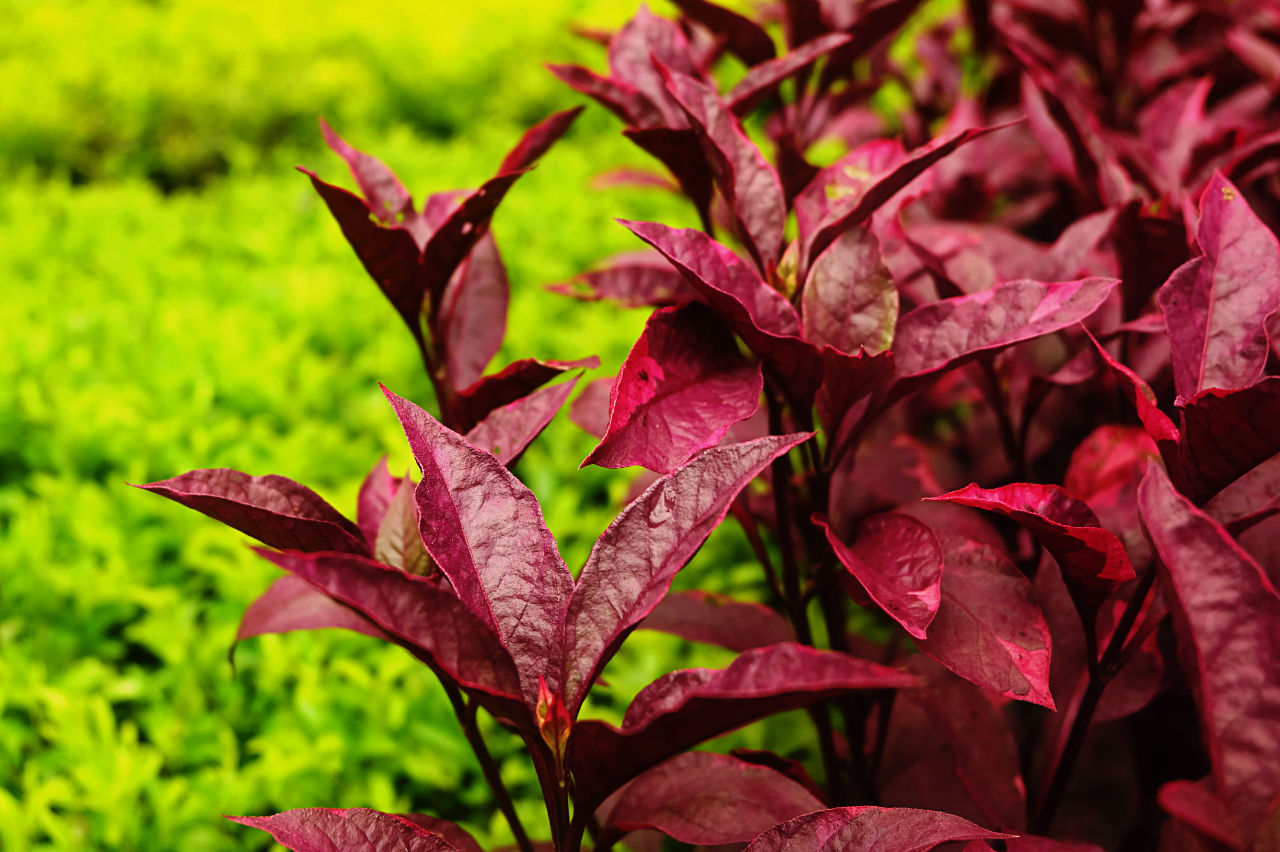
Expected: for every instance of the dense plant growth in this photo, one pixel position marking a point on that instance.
(992, 395)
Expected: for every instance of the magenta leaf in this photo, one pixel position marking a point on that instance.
(620, 98)
(385, 196)
(1216, 306)
(682, 386)
(989, 628)
(633, 562)
(944, 334)
(537, 140)
(1066, 526)
(484, 529)
(849, 300)
(633, 280)
(1194, 803)
(1139, 393)
(351, 830)
(755, 311)
(454, 834)
(399, 544)
(743, 36)
(718, 620)
(632, 52)
(508, 430)
(744, 177)
(273, 509)
(426, 619)
(683, 708)
(473, 313)
(291, 603)
(1227, 617)
(898, 560)
(1225, 434)
(590, 409)
(846, 381)
(765, 77)
(707, 798)
(869, 829)
(375, 495)
(515, 381)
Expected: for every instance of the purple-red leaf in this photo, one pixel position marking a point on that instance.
(620, 98)
(765, 77)
(485, 531)
(385, 195)
(681, 709)
(399, 544)
(718, 620)
(898, 560)
(473, 313)
(292, 603)
(849, 299)
(707, 798)
(632, 564)
(454, 834)
(1067, 528)
(743, 36)
(1139, 393)
(989, 628)
(537, 140)
(1216, 306)
(375, 495)
(516, 380)
(508, 430)
(1227, 616)
(273, 509)
(633, 280)
(682, 386)
(632, 51)
(351, 830)
(1225, 434)
(869, 829)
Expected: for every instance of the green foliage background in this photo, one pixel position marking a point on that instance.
(175, 296)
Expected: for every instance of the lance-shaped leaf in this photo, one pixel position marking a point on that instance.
(622, 99)
(399, 544)
(707, 798)
(351, 830)
(744, 177)
(485, 531)
(376, 492)
(473, 313)
(1225, 434)
(454, 834)
(1216, 306)
(1227, 616)
(846, 381)
(386, 196)
(743, 36)
(683, 708)
(1139, 393)
(291, 603)
(718, 620)
(590, 410)
(273, 509)
(537, 140)
(1067, 528)
(949, 332)
(755, 311)
(633, 280)
(632, 52)
(633, 562)
(682, 386)
(764, 78)
(516, 380)
(428, 620)
(508, 430)
(849, 300)
(869, 829)
(989, 628)
(681, 152)
(898, 560)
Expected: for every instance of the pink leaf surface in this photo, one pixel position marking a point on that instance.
(1194, 803)
(1227, 616)
(485, 531)
(632, 564)
(718, 620)
(292, 603)
(683, 708)
(682, 386)
(590, 409)
(898, 560)
(869, 829)
(385, 195)
(1216, 306)
(273, 509)
(399, 544)
(375, 495)
(707, 798)
(989, 628)
(351, 830)
(743, 36)
(849, 300)
(1066, 527)
(515, 381)
(508, 430)
(620, 98)
(761, 80)
(632, 51)
(454, 834)
(473, 313)
(537, 140)
(633, 280)
(1225, 434)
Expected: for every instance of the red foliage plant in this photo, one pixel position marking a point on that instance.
(1020, 406)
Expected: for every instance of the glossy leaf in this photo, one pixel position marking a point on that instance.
(485, 531)
(869, 829)
(682, 386)
(351, 830)
(632, 564)
(291, 603)
(273, 509)
(1216, 306)
(508, 430)
(718, 619)
(898, 560)
(849, 300)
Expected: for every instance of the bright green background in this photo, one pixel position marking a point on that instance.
(175, 296)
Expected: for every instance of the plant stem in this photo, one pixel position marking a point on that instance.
(466, 714)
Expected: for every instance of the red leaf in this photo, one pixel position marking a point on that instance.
(898, 560)
(1227, 616)
(351, 830)
(989, 629)
(399, 544)
(385, 196)
(473, 313)
(508, 430)
(718, 620)
(515, 381)
(454, 834)
(292, 603)
(273, 509)
(632, 564)
(1066, 527)
(632, 51)
(1216, 306)
(1139, 393)
(765, 77)
(701, 797)
(537, 140)
(1225, 434)
(869, 829)
(620, 98)
(590, 410)
(743, 36)
(485, 530)
(849, 299)
(375, 495)
(633, 280)
(1194, 803)
(846, 381)
(682, 386)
